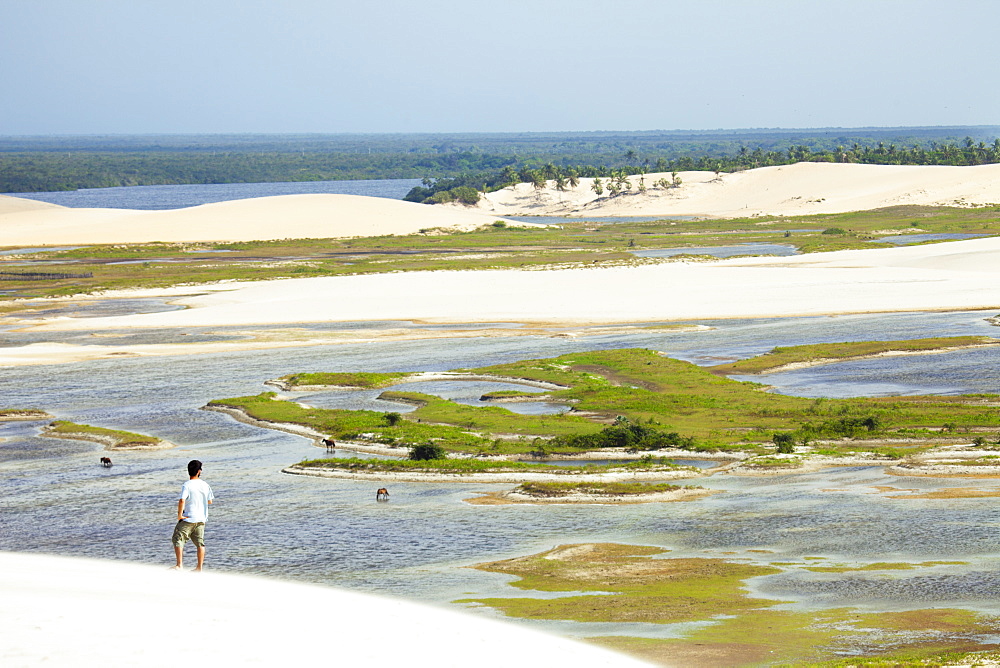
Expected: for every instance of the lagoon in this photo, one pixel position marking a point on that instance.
(57, 499)
(182, 196)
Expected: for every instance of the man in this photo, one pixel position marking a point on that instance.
(192, 512)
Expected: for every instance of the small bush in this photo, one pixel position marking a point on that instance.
(427, 451)
(785, 443)
(392, 419)
(834, 230)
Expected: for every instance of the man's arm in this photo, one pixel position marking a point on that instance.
(180, 509)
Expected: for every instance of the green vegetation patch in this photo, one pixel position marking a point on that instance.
(774, 463)
(121, 439)
(768, 637)
(653, 401)
(355, 379)
(23, 414)
(491, 247)
(353, 425)
(453, 465)
(988, 460)
(783, 356)
(632, 586)
(508, 394)
(560, 489)
(644, 589)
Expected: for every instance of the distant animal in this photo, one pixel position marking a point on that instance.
(329, 443)
(106, 462)
(382, 494)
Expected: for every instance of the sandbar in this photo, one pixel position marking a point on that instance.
(960, 275)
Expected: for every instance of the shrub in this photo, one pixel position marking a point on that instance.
(426, 451)
(834, 230)
(465, 194)
(393, 419)
(627, 435)
(785, 443)
(498, 223)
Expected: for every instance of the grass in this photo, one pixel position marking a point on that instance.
(630, 583)
(783, 356)
(560, 489)
(471, 466)
(355, 379)
(121, 438)
(23, 413)
(774, 463)
(570, 244)
(659, 591)
(508, 394)
(647, 388)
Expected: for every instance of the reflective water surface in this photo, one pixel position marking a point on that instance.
(55, 498)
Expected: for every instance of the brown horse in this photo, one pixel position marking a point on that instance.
(106, 462)
(329, 443)
(382, 494)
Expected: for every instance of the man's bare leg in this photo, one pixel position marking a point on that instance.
(201, 557)
(179, 554)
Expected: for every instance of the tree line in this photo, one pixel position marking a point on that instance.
(481, 161)
(614, 179)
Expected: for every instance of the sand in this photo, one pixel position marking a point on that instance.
(951, 276)
(804, 188)
(60, 611)
(29, 223)
(790, 190)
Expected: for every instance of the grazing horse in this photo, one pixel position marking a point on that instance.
(382, 494)
(329, 443)
(106, 462)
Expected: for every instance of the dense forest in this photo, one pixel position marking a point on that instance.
(448, 161)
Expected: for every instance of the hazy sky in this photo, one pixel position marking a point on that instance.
(169, 66)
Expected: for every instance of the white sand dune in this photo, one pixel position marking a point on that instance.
(955, 275)
(29, 223)
(60, 611)
(804, 188)
(799, 189)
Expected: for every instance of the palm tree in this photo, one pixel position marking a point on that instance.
(573, 178)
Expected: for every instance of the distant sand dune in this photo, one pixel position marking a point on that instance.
(29, 223)
(800, 189)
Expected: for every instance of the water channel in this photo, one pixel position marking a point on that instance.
(56, 499)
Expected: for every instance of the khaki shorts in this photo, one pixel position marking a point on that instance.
(185, 531)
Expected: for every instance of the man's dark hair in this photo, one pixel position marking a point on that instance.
(193, 467)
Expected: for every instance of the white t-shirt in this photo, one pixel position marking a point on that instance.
(196, 493)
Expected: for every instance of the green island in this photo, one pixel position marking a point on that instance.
(112, 439)
(512, 395)
(572, 244)
(633, 583)
(797, 356)
(17, 414)
(592, 492)
(563, 489)
(632, 403)
(450, 466)
(360, 380)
